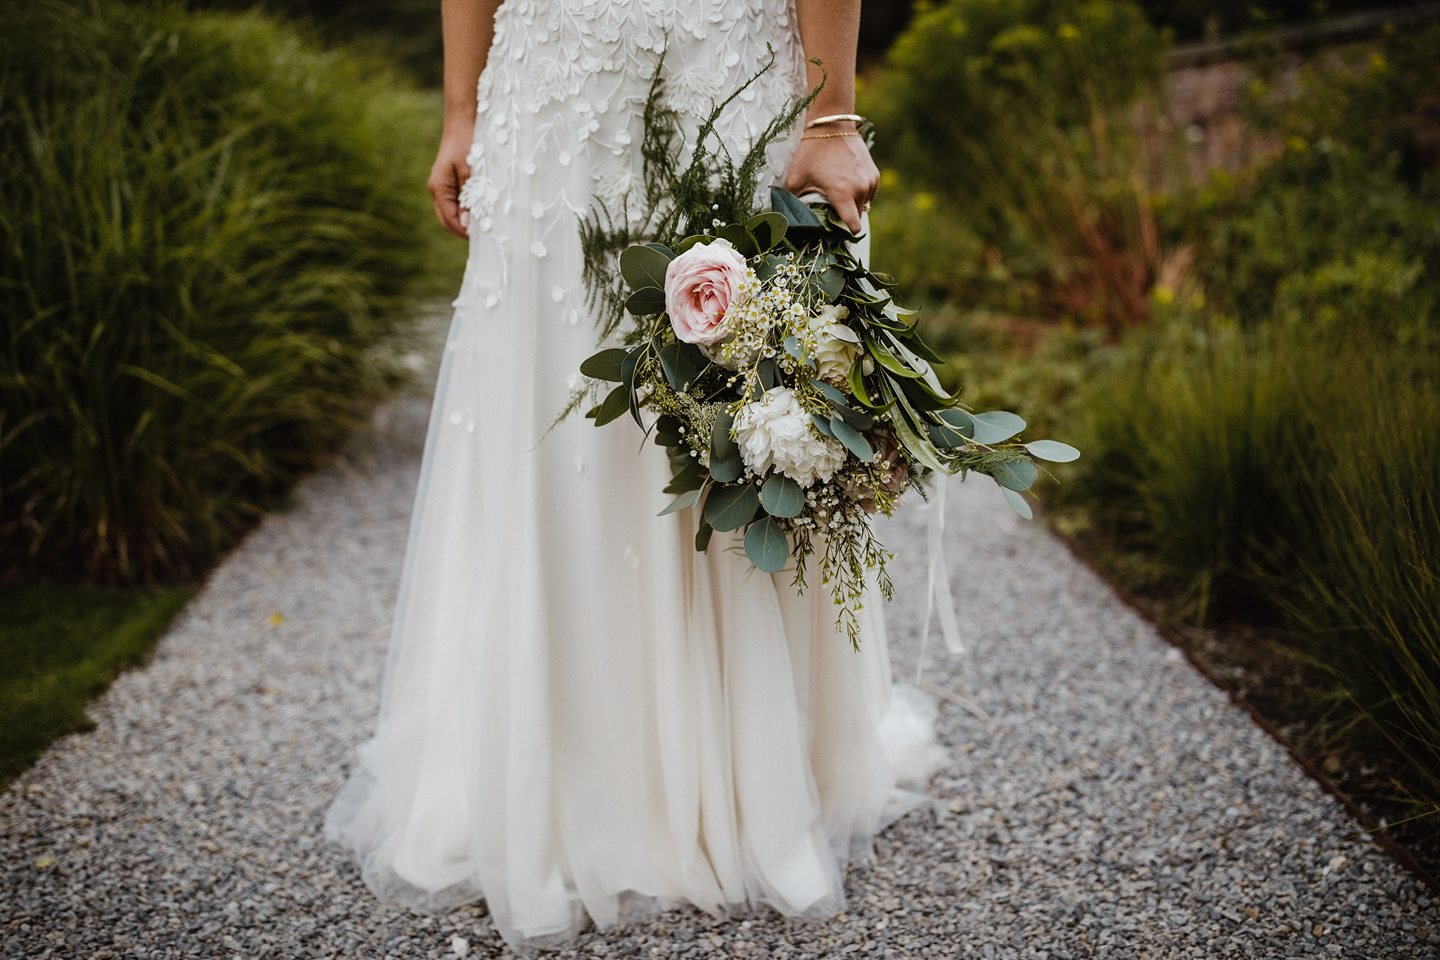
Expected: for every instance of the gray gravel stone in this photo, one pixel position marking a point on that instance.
(1101, 800)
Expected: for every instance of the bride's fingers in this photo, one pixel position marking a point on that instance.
(444, 188)
(849, 211)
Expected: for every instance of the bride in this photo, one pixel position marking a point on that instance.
(582, 717)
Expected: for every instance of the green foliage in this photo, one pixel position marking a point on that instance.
(407, 31)
(970, 74)
(206, 224)
(1266, 448)
(1340, 227)
(1272, 472)
(1364, 589)
(61, 645)
(1018, 118)
(1186, 424)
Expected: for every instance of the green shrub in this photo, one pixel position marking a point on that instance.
(206, 224)
(1019, 117)
(1343, 222)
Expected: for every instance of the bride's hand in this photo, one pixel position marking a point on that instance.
(841, 169)
(451, 170)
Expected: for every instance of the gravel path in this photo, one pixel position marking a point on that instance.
(1102, 799)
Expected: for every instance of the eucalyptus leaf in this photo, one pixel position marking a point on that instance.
(1018, 503)
(781, 496)
(634, 407)
(945, 435)
(726, 464)
(1053, 450)
(769, 373)
(702, 536)
(853, 439)
(683, 483)
(678, 363)
(768, 265)
(900, 343)
(1017, 475)
(646, 302)
(841, 403)
(643, 266)
(691, 477)
(856, 419)
(959, 420)
(605, 365)
(832, 394)
(766, 545)
(796, 214)
(615, 403)
(730, 508)
(727, 470)
(822, 424)
(832, 283)
(996, 426)
(768, 227)
(627, 366)
(687, 499)
(661, 248)
(740, 238)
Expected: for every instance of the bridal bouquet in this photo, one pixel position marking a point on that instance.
(790, 389)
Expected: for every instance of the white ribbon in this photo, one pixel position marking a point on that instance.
(937, 588)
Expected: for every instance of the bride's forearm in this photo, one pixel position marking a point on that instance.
(468, 28)
(830, 32)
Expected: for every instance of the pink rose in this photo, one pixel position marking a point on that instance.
(700, 285)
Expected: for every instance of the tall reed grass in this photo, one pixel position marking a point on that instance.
(207, 221)
(1364, 587)
(1275, 474)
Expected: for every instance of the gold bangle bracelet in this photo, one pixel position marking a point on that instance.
(835, 118)
(829, 136)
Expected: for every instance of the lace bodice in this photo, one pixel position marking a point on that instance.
(558, 114)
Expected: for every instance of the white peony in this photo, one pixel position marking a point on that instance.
(775, 431)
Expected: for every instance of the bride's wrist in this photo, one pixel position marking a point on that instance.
(458, 128)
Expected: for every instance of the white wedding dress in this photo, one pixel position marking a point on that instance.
(581, 715)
